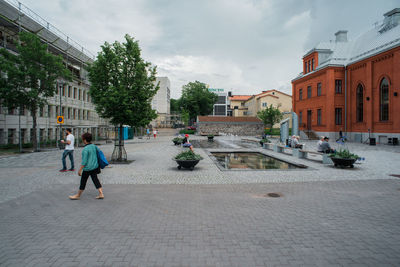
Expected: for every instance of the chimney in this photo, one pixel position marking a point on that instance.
(391, 20)
(341, 36)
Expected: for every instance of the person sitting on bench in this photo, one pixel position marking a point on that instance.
(326, 147)
(186, 142)
(295, 142)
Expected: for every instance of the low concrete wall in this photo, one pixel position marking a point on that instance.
(233, 128)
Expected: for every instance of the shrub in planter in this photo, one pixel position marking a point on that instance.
(343, 158)
(177, 140)
(265, 140)
(187, 159)
(210, 137)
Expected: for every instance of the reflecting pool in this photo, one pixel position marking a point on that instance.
(250, 160)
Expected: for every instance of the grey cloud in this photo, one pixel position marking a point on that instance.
(248, 45)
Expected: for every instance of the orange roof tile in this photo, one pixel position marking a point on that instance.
(240, 97)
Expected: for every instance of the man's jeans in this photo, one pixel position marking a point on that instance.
(69, 153)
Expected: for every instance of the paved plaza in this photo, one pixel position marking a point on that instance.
(156, 215)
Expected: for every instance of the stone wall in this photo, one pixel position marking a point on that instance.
(233, 128)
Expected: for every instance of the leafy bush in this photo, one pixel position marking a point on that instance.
(188, 155)
(265, 140)
(210, 135)
(344, 154)
(276, 131)
(177, 140)
(187, 131)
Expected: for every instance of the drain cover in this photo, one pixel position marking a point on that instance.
(395, 175)
(273, 195)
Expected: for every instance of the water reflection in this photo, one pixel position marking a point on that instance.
(249, 160)
(223, 144)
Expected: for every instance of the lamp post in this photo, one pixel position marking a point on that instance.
(61, 88)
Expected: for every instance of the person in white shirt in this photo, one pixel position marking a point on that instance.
(68, 151)
(295, 142)
(319, 148)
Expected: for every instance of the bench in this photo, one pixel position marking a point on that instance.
(304, 154)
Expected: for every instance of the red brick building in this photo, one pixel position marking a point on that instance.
(352, 86)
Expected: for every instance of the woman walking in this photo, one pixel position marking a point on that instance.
(89, 167)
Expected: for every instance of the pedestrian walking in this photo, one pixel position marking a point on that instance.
(148, 133)
(155, 133)
(89, 167)
(68, 151)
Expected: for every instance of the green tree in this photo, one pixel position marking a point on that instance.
(270, 116)
(122, 86)
(175, 105)
(197, 100)
(29, 78)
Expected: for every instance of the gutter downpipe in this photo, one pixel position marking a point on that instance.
(345, 100)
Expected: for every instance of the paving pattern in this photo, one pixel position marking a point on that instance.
(342, 223)
(156, 215)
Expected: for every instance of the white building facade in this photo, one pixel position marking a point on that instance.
(161, 103)
(72, 99)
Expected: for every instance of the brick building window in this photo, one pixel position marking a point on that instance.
(305, 67)
(360, 103)
(319, 116)
(301, 94)
(309, 92)
(338, 86)
(384, 100)
(312, 64)
(338, 116)
(319, 89)
(309, 66)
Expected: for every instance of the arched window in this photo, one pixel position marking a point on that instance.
(384, 100)
(360, 103)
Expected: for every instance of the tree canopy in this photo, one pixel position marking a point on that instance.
(270, 116)
(29, 78)
(122, 84)
(197, 100)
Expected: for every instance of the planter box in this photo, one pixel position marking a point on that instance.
(341, 162)
(210, 138)
(188, 164)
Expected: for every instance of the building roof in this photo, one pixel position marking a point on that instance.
(226, 119)
(270, 93)
(380, 38)
(240, 97)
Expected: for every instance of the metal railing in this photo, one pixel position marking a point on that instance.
(38, 19)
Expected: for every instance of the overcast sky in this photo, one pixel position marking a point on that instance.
(245, 46)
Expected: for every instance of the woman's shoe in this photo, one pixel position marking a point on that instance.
(75, 197)
(100, 197)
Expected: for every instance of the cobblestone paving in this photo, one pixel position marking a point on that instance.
(342, 223)
(156, 215)
(153, 164)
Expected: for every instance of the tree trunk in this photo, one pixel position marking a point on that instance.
(34, 127)
(120, 142)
